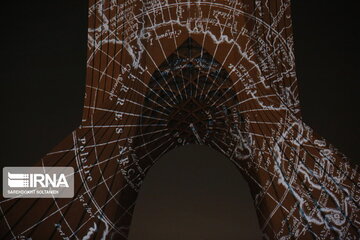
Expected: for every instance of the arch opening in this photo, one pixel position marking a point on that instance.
(190, 190)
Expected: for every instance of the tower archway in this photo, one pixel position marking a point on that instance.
(187, 83)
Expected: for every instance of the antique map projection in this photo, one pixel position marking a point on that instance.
(163, 74)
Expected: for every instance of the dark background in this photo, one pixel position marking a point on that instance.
(42, 75)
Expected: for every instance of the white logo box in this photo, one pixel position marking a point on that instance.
(38, 182)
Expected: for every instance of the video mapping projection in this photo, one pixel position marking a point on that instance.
(163, 74)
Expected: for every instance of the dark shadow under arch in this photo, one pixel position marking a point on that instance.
(192, 189)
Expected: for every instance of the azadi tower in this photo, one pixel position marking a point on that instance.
(220, 73)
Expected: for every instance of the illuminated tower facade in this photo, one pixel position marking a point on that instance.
(221, 73)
